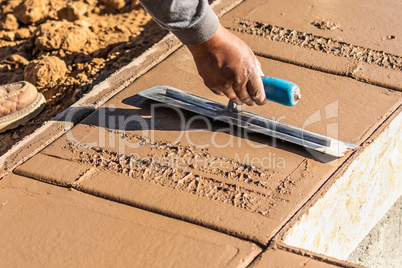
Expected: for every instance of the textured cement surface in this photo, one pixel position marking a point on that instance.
(382, 246)
(337, 37)
(235, 182)
(361, 23)
(49, 226)
(229, 173)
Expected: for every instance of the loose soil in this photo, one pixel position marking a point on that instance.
(66, 47)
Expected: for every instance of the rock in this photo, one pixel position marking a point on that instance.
(45, 72)
(64, 35)
(9, 36)
(117, 4)
(9, 23)
(15, 135)
(73, 11)
(31, 11)
(10, 5)
(82, 77)
(17, 59)
(23, 33)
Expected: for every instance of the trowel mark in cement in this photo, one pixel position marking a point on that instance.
(323, 44)
(197, 173)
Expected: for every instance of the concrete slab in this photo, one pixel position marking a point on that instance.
(181, 204)
(341, 38)
(282, 256)
(56, 171)
(188, 167)
(45, 225)
(367, 24)
(223, 167)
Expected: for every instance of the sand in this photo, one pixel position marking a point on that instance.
(66, 47)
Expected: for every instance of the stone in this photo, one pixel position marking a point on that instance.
(117, 4)
(18, 59)
(66, 35)
(46, 71)
(9, 36)
(23, 33)
(31, 11)
(73, 11)
(9, 23)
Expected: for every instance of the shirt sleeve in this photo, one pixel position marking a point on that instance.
(192, 21)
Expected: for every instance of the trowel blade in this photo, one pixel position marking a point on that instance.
(248, 120)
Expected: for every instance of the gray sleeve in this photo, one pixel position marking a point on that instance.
(192, 21)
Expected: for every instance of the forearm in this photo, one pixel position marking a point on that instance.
(192, 21)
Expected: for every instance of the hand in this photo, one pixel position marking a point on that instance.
(229, 67)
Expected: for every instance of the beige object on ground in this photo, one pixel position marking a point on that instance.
(118, 4)
(9, 23)
(73, 11)
(31, 11)
(19, 102)
(65, 35)
(45, 71)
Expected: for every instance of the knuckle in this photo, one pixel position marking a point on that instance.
(254, 93)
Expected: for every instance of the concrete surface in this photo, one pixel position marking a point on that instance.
(220, 197)
(50, 226)
(272, 194)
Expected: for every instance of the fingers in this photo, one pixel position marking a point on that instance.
(247, 89)
(255, 89)
(241, 91)
(229, 67)
(217, 91)
(225, 90)
(231, 94)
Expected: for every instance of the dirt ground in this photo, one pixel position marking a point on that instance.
(66, 47)
(379, 248)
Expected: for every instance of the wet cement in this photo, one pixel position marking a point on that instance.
(328, 37)
(369, 24)
(59, 227)
(331, 105)
(167, 148)
(319, 43)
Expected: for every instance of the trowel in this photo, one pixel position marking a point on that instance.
(276, 90)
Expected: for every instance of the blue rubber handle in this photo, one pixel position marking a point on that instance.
(281, 91)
